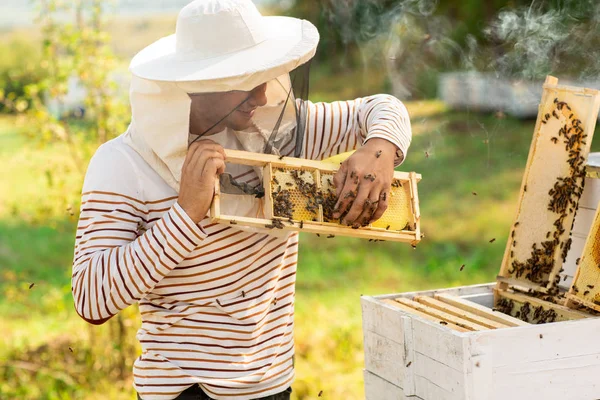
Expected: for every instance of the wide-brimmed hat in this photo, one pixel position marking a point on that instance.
(225, 44)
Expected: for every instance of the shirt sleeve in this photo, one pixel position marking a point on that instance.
(117, 261)
(333, 128)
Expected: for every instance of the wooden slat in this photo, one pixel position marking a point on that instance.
(459, 312)
(415, 204)
(423, 315)
(267, 178)
(259, 159)
(442, 315)
(321, 228)
(215, 206)
(480, 310)
(521, 283)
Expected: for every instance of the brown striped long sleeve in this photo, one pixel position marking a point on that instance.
(334, 128)
(116, 260)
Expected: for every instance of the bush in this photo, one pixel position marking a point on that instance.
(20, 65)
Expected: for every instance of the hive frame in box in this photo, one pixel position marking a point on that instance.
(586, 103)
(269, 162)
(585, 289)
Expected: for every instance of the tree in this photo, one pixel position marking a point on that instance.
(77, 49)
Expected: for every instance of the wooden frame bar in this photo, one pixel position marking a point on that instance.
(480, 310)
(423, 315)
(463, 323)
(459, 312)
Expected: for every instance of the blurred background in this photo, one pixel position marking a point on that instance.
(469, 71)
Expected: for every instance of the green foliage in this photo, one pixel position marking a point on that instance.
(72, 50)
(19, 68)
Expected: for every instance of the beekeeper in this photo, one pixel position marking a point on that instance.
(217, 301)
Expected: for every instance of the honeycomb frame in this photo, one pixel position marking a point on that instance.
(539, 238)
(281, 188)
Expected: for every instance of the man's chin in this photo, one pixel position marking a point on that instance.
(241, 126)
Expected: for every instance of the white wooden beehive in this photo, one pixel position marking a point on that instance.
(408, 356)
(456, 344)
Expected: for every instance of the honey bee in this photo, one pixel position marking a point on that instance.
(370, 177)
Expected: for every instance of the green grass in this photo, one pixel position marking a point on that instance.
(457, 154)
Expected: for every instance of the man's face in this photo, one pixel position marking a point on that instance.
(208, 108)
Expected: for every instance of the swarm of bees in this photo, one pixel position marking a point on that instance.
(564, 197)
(275, 223)
(282, 204)
(293, 183)
(526, 312)
(329, 201)
(505, 306)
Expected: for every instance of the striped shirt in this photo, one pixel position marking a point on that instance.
(216, 302)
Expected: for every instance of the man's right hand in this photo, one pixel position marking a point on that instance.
(204, 162)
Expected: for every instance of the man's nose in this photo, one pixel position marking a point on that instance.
(258, 96)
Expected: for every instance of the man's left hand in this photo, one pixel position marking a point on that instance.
(363, 183)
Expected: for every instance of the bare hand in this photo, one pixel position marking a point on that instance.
(363, 183)
(204, 162)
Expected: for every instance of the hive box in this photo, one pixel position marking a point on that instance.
(410, 357)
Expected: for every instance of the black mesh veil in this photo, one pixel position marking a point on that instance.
(275, 127)
(296, 97)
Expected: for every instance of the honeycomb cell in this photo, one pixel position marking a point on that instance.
(399, 211)
(301, 190)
